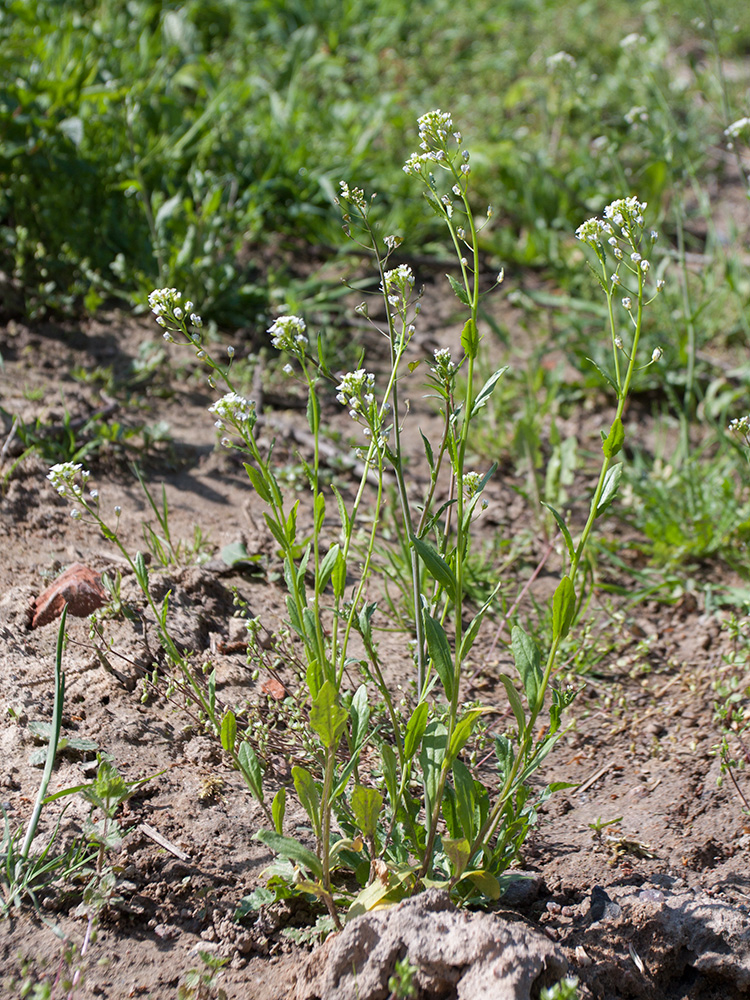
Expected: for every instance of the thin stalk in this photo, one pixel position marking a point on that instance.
(54, 740)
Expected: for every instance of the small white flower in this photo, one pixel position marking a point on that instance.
(645, 266)
(660, 284)
(615, 279)
(76, 515)
(656, 353)
(288, 370)
(178, 314)
(230, 351)
(118, 510)
(618, 343)
(627, 303)
(196, 320)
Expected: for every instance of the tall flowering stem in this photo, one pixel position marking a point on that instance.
(619, 242)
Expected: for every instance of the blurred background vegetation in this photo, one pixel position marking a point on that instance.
(200, 144)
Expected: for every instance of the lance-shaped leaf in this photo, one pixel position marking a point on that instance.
(609, 490)
(528, 663)
(327, 717)
(563, 608)
(440, 652)
(483, 396)
(228, 730)
(278, 809)
(613, 442)
(287, 847)
(415, 729)
(470, 338)
(436, 566)
(307, 793)
(563, 527)
(366, 806)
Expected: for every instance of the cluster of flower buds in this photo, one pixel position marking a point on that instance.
(173, 314)
(234, 412)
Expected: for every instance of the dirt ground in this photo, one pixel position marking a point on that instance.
(639, 749)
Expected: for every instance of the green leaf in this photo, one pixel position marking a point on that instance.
(327, 566)
(440, 652)
(458, 852)
(415, 729)
(465, 798)
(486, 882)
(609, 489)
(515, 701)
(278, 809)
(235, 554)
(470, 338)
(605, 375)
(459, 291)
(431, 760)
(366, 806)
(563, 528)
(338, 576)
(228, 730)
(343, 515)
(251, 769)
(359, 712)
(327, 718)
(307, 793)
(276, 530)
(390, 772)
(528, 663)
(483, 396)
(504, 754)
(291, 524)
(614, 440)
(287, 847)
(436, 566)
(319, 512)
(257, 482)
(462, 732)
(313, 411)
(563, 608)
(428, 452)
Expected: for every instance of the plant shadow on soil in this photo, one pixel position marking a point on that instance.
(639, 748)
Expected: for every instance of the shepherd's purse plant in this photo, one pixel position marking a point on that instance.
(417, 813)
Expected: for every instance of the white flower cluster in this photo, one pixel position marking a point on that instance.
(234, 409)
(166, 304)
(736, 129)
(472, 481)
(354, 195)
(740, 425)
(435, 128)
(63, 478)
(561, 58)
(444, 367)
(355, 390)
(397, 285)
(288, 334)
(638, 114)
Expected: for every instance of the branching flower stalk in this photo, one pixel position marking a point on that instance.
(619, 234)
(71, 481)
